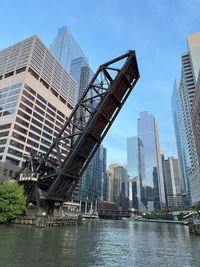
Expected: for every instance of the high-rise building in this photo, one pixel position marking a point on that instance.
(120, 191)
(69, 53)
(65, 48)
(173, 183)
(109, 186)
(82, 73)
(148, 134)
(36, 97)
(136, 171)
(195, 114)
(182, 101)
(91, 183)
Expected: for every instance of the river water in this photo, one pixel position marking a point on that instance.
(99, 243)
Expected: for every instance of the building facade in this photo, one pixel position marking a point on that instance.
(65, 48)
(37, 96)
(148, 134)
(173, 183)
(69, 53)
(120, 191)
(182, 102)
(136, 172)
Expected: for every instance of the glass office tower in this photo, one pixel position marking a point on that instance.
(65, 48)
(136, 170)
(148, 133)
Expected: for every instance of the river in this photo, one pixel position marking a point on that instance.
(99, 243)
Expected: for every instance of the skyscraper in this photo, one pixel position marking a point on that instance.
(69, 53)
(148, 134)
(182, 101)
(136, 170)
(65, 48)
(173, 183)
(82, 73)
(120, 191)
(36, 97)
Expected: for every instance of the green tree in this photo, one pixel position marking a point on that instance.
(197, 207)
(12, 200)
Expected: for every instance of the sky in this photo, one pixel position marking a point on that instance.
(156, 29)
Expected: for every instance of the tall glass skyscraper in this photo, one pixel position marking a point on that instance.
(82, 73)
(182, 101)
(148, 133)
(69, 53)
(65, 48)
(136, 170)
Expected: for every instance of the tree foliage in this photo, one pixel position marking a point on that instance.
(197, 207)
(12, 201)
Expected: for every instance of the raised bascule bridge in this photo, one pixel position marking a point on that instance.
(50, 178)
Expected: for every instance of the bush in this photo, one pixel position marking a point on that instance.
(12, 201)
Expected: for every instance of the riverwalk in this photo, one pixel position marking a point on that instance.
(162, 221)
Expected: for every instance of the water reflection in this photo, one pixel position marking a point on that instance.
(99, 243)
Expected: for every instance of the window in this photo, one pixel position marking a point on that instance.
(31, 150)
(12, 161)
(49, 123)
(38, 116)
(10, 99)
(25, 108)
(49, 117)
(5, 126)
(2, 149)
(39, 110)
(34, 136)
(26, 101)
(20, 129)
(8, 112)
(52, 107)
(41, 99)
(2, 134)
(15, 92)
(28, 95)
(30, 89)
(61, 114)
(24, 115)
(17, 85)
(3, 141)
(32, 143)
(43, 148)
(9, 74)
(15, 152)
(36, 123)
(48, 129)
(16, 144)
(3, 95)
(3, 90)
(11, 105)
(34, 129)
(22, 122)
(45, 142)
(46, 135)
(51, 112)
(60, 119)
(40, 104)
(19, 137)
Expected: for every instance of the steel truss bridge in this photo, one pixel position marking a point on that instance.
(52, 177)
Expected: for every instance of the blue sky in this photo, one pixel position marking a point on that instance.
(156, 29)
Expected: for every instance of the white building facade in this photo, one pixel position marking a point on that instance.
(36, 97)
(182, 100)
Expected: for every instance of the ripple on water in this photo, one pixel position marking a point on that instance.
(99, 243)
